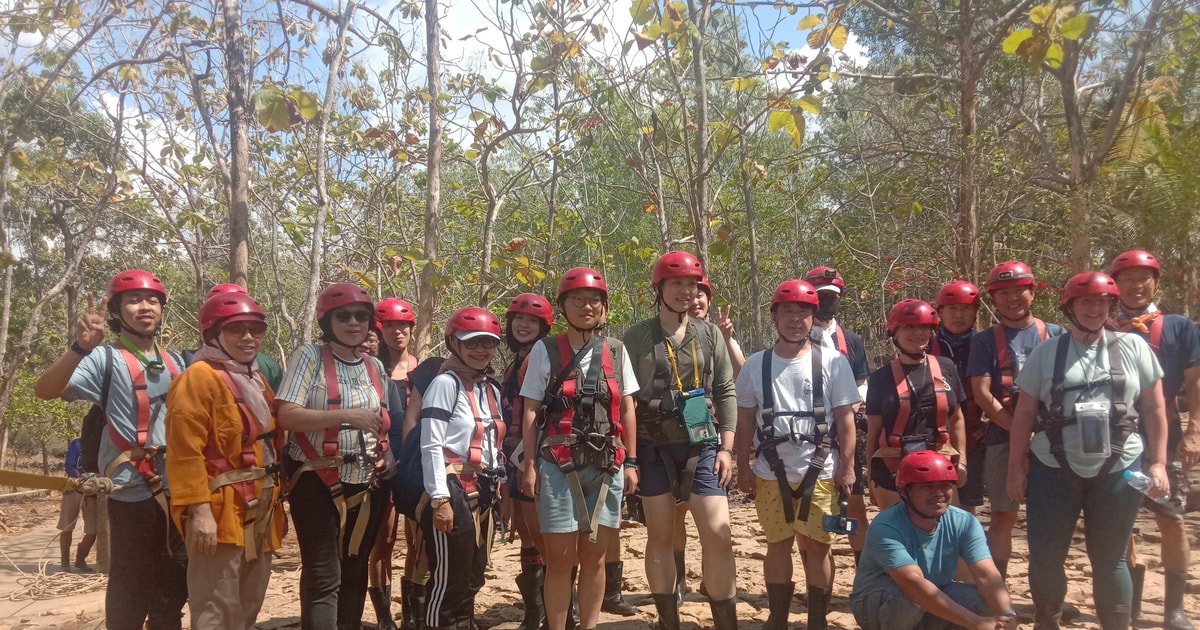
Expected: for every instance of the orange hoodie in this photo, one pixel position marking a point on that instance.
(202, 411)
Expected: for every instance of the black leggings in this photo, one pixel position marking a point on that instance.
(333, 584)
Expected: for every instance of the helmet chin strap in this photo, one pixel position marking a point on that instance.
(658, 301)
(916, 356)
(912, 506)
(795, 342)
(127, 329)
(1075, 322)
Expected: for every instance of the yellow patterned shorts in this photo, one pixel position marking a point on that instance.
(770, 511)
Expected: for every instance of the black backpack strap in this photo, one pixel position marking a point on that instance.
(1057, 420)
(822, 435)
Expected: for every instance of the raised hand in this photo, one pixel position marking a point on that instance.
(724, 323)
(89, 330)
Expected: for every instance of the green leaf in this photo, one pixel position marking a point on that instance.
(809, 21)
(307, 104)
(471, 154)
(271, 106)
(1078, 26)
(1054, 56)
(1039, 14)
(778, 119)
(1014, 40)
(810, 103)
(642, 11)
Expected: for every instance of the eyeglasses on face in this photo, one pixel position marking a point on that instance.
(487, 343)
(585, 300)
(362, 316)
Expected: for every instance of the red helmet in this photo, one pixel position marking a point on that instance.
(531, 304)
(820, 276)
(475, 320)
(341, 294)
(1010, 273)
(911, 312)
(1087, 284)
(923, 467)
(958, 292)
(705, 286)
(581, 278)
(227, 287)
(394, 309)
(797, 291)
(136, 280)
(227, 308)
(1134, 258)
(675, 264)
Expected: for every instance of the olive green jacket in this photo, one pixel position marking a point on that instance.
(656, 399)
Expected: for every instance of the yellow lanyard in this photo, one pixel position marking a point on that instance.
(675, 366)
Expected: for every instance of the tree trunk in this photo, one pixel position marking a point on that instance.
(45, 459)
(321, 172)
(433, 181)
(494, 204)
(754, 310)
(699, 183)
(966, 250)
(236, 79)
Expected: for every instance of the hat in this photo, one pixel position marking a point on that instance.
(464, 335)
(829, 287)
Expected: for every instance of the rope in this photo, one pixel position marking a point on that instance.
(43, 585)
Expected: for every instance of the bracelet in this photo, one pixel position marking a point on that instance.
(78, 349)
(722, 449)
(630, 462)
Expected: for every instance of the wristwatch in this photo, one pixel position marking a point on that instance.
(439, 502)
(1008, 613)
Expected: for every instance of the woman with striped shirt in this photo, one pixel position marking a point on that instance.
(333, 400)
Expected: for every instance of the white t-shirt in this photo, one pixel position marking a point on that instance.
(537, 372)
(792, 390)
(448, 423)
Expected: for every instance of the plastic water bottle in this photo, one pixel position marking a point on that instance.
(1142, 483)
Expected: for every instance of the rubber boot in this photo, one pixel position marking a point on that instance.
(613, 602)
(381, 600)
(724, 614)
(779, 602)
(818, 605)
(668, 611)
(406, 606)
(529, 583)
(1114, 619)
(681, 587)
(1173, 617)
(1070, 612)
(1137, 575)
(418, 606)
(1044, 620)
(64, 544)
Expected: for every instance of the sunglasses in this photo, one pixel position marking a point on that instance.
(487, 343)
(255, 330)
(361, 316)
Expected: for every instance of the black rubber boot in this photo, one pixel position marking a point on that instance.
(406, 605)
(818, 605)
(1173, 617)
(418, 606)
(1114, 619)
(668, 611)
(1137, 575)
(381, 600)
(779, 602)
(613, 602)
(529, 583)
(65, 552)
(1070, 612)
(681, 587)
(1043, 620)
(724, 614)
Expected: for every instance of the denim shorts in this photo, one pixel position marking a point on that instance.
(653, 480)
(556, 505)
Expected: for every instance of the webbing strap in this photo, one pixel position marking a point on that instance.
(1120, 425)
(139, 454)
(475, 450)
(905, 396)
(822, 437)
(1007, 364)
(839, 338)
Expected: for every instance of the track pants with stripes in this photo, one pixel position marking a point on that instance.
(456, 560)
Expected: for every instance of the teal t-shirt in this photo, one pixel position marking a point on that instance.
(1087, 364)
(893, 541)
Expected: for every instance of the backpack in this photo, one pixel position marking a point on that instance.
(93, 424)
(408, 484)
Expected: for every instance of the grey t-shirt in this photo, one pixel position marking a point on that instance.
(1088, 364)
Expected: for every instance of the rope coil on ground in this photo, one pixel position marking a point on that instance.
(43, 585)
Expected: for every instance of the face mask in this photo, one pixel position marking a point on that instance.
(828, 305)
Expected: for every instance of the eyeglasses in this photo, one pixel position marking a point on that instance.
(362, 316)
(586, 300)
(238, 331)
(487, 343)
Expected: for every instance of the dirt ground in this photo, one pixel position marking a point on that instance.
(32, 520)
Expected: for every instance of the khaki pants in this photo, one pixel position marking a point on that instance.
(225, 592)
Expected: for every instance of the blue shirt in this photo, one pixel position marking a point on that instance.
(893, 541)
(1179, 349)
(983, 361)
(74, 463)
(85, 385)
